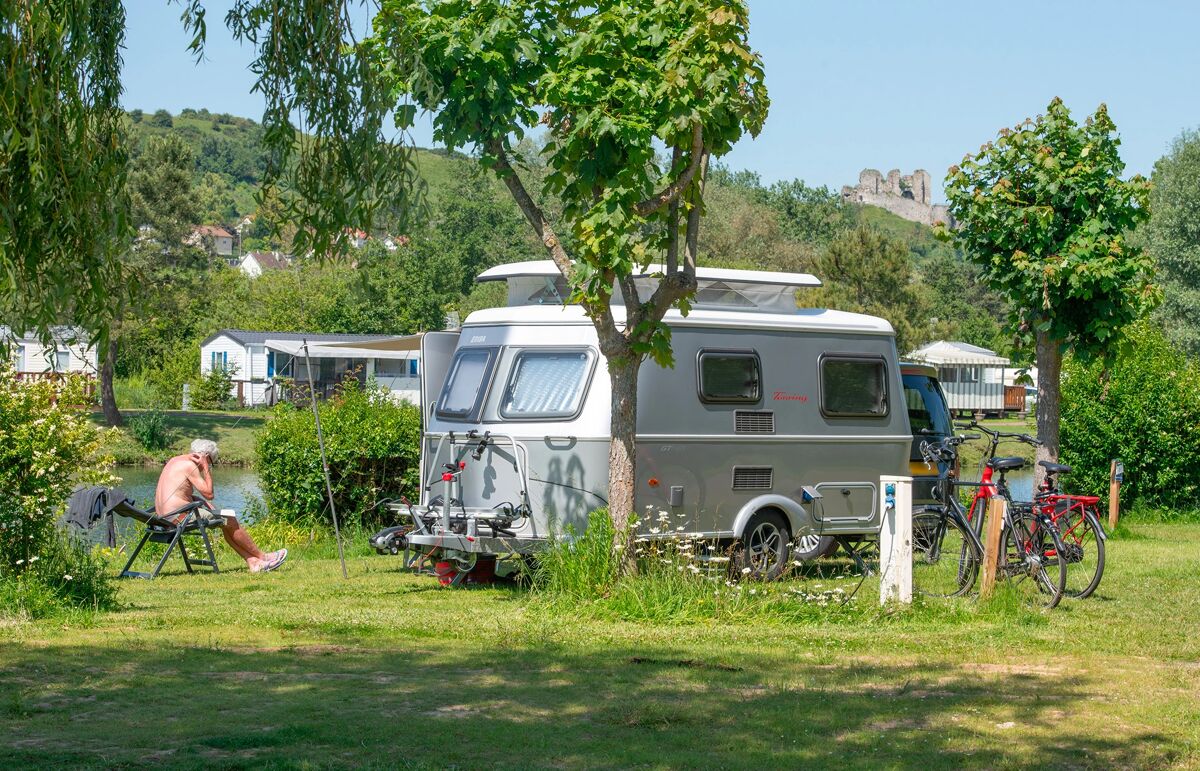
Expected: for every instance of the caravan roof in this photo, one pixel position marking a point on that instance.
(539, 282)
(801, 318)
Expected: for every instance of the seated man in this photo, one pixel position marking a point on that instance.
(191, 474)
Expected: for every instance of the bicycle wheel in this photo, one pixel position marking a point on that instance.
(1036, 579)
(945, 560)
(1083, 551)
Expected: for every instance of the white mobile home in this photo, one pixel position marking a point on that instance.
(69, 351)
(262, 361)
(972, 377)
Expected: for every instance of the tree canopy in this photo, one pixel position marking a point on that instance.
(63, 211)
(1173, 238)
(1044, 213)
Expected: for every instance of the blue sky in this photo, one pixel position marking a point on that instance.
(853, 83)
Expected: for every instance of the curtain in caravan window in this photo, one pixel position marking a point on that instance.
(545, 384)
(853, 387)
(62, 361)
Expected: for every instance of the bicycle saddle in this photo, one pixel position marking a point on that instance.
(1006, 464)
(1054, 468)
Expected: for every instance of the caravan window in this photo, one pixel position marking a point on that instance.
(729, 376)
(853, 387)
(467, 383)
(546, 384)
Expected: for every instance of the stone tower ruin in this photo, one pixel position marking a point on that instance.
(909, 196)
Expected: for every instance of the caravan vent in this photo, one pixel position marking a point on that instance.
(754, 422)
(753, 477)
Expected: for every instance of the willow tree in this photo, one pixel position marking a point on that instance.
(63, 213)
(1045, 214)
(635, 96)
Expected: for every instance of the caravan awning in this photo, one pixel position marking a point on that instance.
(400, 347)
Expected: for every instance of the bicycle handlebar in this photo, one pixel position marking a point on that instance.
(996, 436)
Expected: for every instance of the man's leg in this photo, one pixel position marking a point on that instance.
(241, 542)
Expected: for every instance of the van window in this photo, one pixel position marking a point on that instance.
(546, 384)
(853, 387)
(729, 376)
(926, 411)
(463, 393)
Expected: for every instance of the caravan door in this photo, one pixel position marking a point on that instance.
(437, 351)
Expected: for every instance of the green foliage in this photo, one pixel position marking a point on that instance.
(161, 119)
(63, 209)
(1173, 239)
(865, 272)
(372, 444)
(580, 567)
(1045, 214)
(214, 389)
(1144, 409)
(67, 576)
(46, 448)
(150, 429)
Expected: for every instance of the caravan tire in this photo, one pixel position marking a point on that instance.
(763, 547)
(814, 547)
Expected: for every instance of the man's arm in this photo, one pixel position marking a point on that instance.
(201, 478)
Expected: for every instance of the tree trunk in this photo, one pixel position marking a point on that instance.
(108, 399)
(623, 375)
(1049, 364)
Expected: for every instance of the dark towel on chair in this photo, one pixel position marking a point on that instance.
(88, 505)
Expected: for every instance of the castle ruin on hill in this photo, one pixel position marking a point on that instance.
(908, 196)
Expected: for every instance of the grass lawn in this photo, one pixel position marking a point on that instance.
(232, 431)
(301, 668)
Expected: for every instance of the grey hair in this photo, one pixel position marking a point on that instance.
(205, 447)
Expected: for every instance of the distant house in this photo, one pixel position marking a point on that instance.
(254, 264)
(357, 238)
(215, 239)
(973, 378)
(262, 362)
(69, 351)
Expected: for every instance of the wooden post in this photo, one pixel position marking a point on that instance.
(992, 548)
(895, 540)
(1114, 497)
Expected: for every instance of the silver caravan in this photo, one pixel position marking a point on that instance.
(774, 424)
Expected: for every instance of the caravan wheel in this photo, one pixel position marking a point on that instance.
(814, 547)
(763, 548)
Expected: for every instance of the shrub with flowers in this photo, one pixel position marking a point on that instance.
(47, 446)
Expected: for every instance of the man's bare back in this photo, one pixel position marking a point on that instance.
(183, 476)
(191, 474)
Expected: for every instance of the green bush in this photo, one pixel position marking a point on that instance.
(1145, 410)
(373, 447)
(136, 393)
(151, 430)
(213, 390)
(174, 369)
(47, 447)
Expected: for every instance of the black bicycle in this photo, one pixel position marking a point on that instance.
(947, 551)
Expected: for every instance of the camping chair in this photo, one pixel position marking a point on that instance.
(197, 520)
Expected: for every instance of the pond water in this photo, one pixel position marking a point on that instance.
(1020, 483)
(234, 487)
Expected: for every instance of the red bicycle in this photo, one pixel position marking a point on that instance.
(1074, 516)
(1078, 521)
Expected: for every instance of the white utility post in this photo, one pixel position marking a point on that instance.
(895, 540)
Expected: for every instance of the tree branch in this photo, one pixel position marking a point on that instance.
(673, 223)
(671, 192)
(693, 221)
(533, 213)
(600, 312)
